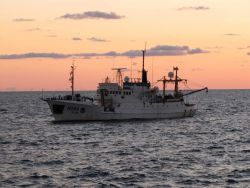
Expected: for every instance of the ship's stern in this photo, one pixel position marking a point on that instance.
(190, 110)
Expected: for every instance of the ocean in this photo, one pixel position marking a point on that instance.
(211, 149)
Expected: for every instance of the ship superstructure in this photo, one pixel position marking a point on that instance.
(125, 99)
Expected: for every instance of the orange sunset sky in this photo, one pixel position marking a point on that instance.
(209, 40)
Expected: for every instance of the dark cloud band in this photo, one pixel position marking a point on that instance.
(193, 8)
(231, 34)
(34, 55)
(23, 20)
(92, 15)
(76, 38)
(160, 50)
(94, 39)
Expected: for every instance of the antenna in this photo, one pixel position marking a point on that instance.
(72, 77)
(152, 71)
(143, 53)
(144, 72)
(131, 68)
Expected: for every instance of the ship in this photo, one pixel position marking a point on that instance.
(125, 99)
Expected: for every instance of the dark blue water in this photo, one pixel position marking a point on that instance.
(211, 149)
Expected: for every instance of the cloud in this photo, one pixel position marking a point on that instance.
(34, 55)
(244, 48)
(94, 39)
(194, 8)
(86, 57)
(195, 51)
(23, 20)
(76, 38)
(231, 34)
(92, 15)
(166, 50)
(215, 47)
(160, 50)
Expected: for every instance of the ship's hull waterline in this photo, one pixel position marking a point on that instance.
(64, 110)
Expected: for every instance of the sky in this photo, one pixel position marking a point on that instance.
(209, 40)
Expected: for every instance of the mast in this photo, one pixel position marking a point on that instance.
(176, 81)
(164, 81)
(72, 78)
(152, 82)
(131, 69)
(144, 72)
(176, 85)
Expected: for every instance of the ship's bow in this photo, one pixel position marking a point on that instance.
(64, 110)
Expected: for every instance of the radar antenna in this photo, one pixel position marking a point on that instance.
(119, 78)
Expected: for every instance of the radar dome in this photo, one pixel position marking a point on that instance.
(170, 74)
(126, 79)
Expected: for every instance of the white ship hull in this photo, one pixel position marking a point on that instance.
(64, 110)
(131, 98)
